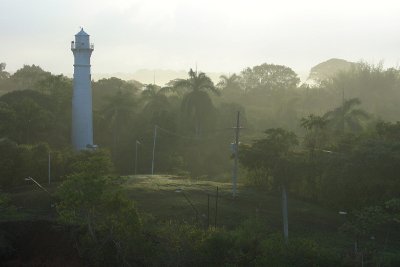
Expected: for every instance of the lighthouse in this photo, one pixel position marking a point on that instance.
(82, 118)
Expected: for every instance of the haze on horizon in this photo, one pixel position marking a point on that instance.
(220, 36)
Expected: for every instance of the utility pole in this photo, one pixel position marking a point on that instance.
(154, 148)
(208, 211)
(216, 209)
(49, 168)
(236, 150)
(343, 109)
(136, 155)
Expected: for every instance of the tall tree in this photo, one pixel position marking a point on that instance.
(347, 117)
(105, 88)
(3, 73)
(196, 103)
(118, 113)
(33, 116)
(269, 77)
(376, 87)
(5, 81)
(155, 98)
(7, 120)
(28, 76)
(315, 136)
(275, 154)
(59, 89)
(231, 88)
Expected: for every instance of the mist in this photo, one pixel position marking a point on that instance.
(236, 133)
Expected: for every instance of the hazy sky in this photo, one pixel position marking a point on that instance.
(220, 35)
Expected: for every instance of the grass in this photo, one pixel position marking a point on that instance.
(29, 203)
(157, 195)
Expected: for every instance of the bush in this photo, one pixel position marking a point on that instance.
(109, 226)
(297, 252)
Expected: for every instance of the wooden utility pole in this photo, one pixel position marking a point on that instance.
(216, 209)
(49, 168)
(136, 155)
(236, 151)
(154, 148)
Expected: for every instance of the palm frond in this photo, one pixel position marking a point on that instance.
(359, 114)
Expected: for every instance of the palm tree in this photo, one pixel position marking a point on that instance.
(231, 82)
(117, 112)
(196, 103)
(157, 108)
(313, 122)
(155, 98)
(230, 87)
(347, 117)
(315, 136)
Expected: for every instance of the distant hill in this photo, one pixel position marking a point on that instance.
(328, 69)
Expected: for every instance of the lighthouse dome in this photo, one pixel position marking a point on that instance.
(82, 40)
(81, 33)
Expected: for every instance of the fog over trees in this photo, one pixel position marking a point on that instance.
(333, 141)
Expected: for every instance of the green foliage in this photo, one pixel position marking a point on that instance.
(6, 247)
(116, 121)
(28, 76)
(106, 88)
(91, 199)
(316, 134)
(269, 77)
(360, 169)
(273, 154)
(7, 117)
(18, 162)
(363, 173)
(377, 88)
(180, 244)
(8, 162)
(231, 88)
(3, 74)
(368, 221)
(30, 116)
(7, 211)
(156, 100)
(347, 117)
(40, 114)
(196, 104)
(298, 252)
(388, 131)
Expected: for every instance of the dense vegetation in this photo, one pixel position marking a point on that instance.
(336, 144)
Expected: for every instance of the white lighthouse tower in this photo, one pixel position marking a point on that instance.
(82, 120)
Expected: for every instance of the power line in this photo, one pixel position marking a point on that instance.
(189, 137)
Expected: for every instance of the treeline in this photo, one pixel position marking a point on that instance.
(194, 117)
(336, 143)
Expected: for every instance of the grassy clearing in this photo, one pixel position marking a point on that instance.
(156, 195)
